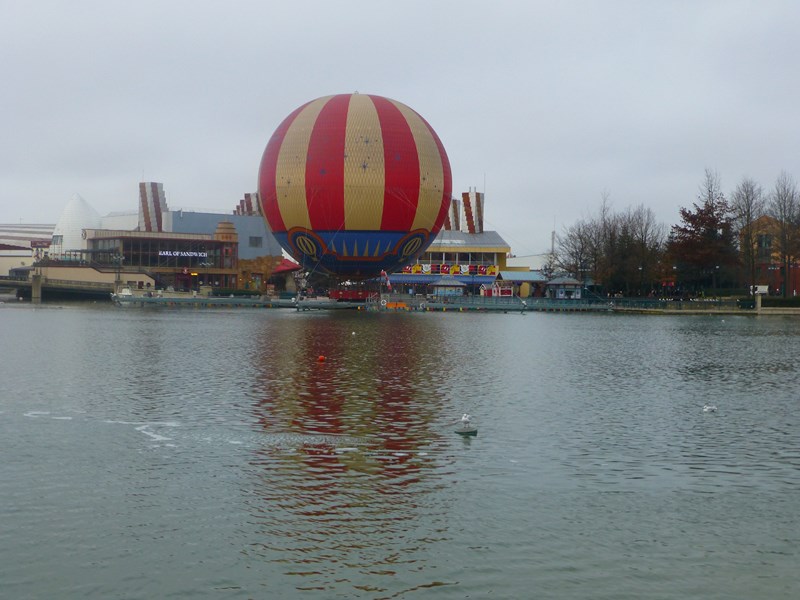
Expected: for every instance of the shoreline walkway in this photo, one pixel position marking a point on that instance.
(398, 302)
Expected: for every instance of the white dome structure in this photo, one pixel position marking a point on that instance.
(77, 216)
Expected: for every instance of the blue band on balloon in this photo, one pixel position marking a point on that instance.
(354, 253)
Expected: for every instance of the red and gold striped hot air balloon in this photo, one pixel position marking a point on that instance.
(353, 184)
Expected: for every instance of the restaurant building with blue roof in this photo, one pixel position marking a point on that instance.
(463, 251)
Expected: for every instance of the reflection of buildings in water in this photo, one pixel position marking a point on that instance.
(365, 388)
(369, 386)
(359, 490)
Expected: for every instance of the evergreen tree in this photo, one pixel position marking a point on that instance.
(703, 246)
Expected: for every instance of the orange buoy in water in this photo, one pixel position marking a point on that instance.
(321, 358)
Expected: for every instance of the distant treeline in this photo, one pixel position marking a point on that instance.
(720, 243)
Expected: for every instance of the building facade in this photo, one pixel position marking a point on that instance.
(180, 250)
(473, 259)
(174, 261)
(782, 277)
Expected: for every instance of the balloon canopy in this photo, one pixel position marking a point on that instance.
(354, 184)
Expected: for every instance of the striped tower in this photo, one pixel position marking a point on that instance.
(152, 205)
(472, 211)
(354, 184)
(453, 220)
(249, 205)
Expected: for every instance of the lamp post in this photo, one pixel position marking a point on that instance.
(583, 277)
(674, 279)
(714, 279)
(472, 285)
(774, 277)
(641, 279)
(117, 259)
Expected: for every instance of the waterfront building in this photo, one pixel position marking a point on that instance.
(21, 245)
(448, 287)
(158, 248)
(257, 251)
(474, 259)
(525, 283)
(564, 288)
(770, 270)
(469, 254)
(76, 216)
(167, 260)
(153, 247)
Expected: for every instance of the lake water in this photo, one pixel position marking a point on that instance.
(210, 454)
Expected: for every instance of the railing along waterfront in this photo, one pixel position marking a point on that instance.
(593, 304)
(8, 279)
(47, 281)
(67, 283)
(667, 304)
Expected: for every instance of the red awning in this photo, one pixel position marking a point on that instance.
(285, 266)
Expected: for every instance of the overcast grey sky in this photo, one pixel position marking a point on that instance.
(544, 105)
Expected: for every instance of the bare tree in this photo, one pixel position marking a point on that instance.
(606, 230)
(620, 251)
(648, 237)
(581, 247)
(574, 248)
(710, 189)
(748, 207)
(784, 207)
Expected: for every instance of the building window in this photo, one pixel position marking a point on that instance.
(764, 243)
(256, 241)
(58, 240)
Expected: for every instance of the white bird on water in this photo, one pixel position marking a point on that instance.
(709, 408)
(466, 427)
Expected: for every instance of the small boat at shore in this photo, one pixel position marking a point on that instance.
(123, 297)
